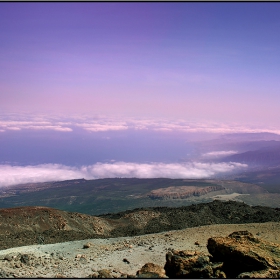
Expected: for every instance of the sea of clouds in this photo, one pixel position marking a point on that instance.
(99, 123)
(12, 175)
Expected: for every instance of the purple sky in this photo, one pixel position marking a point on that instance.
(121, 89)
(200, 61)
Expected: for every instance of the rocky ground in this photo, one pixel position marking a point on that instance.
(120, 257)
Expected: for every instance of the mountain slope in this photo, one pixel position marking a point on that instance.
(37, 225)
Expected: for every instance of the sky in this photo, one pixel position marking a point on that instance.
(119, 75)
(216, 61)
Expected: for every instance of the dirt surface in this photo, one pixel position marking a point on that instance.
(122, 256)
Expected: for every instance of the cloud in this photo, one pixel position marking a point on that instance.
(33, 125)
(155, 170)
(105, 123)
(12, 175)
(103, 127)
(219, 153)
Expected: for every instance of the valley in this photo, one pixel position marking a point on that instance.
(113, 195)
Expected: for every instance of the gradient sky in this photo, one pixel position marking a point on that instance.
(201, 61)
(98, 90)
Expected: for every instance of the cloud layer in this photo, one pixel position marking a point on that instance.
(17, 122)
(12, 175)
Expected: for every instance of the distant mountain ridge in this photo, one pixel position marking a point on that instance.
(264, 156)
(251, 136)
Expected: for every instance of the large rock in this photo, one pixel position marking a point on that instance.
(245, 256)
(240, 255)
(189, 264)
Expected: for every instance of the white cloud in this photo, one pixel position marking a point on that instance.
(32, 124)
(103, 127)
(219, 153)
(103, 123)
(12, 175)
(13, 128)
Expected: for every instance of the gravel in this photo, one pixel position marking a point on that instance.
(120, 256)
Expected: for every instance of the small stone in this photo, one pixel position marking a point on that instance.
(87, 245)
(104, 273)
(8, 258)
(126, 261)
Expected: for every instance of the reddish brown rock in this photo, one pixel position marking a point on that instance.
(151, 270)
(240, 255)
(189, 264)
(245, 256)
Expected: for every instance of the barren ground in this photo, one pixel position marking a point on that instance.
(70, 259)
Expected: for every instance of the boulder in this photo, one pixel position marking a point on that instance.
(245, 256)
(189, 264)
(151, 270)
(240, 255)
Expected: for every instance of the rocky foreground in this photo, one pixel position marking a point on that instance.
(213, 251)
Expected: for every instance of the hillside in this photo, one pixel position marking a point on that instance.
(41, 225)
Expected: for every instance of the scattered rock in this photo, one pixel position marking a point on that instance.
(196, 243)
